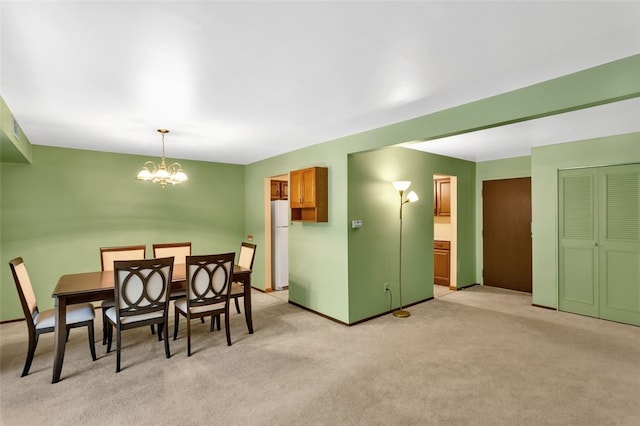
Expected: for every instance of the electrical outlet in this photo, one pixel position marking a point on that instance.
(385, 287)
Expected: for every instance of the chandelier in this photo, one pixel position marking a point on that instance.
(161, 173)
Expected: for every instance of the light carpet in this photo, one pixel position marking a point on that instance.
(480, 356)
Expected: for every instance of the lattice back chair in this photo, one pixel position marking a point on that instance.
(208, 285)
(108, 255)
(179, 251)
(246, 258)
(40, 322)
(141, 290)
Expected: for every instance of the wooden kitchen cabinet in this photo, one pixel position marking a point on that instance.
(279, 190)
(442, 197)
(441, 262)
(308, 198)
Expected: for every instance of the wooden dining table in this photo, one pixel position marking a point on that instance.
(96, 286)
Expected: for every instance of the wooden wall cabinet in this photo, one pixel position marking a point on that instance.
(441, 262)
(442, 197)
(279, 190)
(309, 193)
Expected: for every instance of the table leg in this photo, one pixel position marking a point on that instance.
(247, 303)
(60, 337)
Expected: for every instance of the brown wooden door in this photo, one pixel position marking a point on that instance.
(506, 232)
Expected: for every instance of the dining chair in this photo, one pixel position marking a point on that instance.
(141, 294)
(179, 251)
(40, 322)
(247, 255)
(246, 258)
(108, 255)
(208, 285)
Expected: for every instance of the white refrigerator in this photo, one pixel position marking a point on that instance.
(280, 243)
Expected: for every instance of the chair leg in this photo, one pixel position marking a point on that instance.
(105, 325)
(215, 319)
(237, 305)
(92, 343)
(109, 336)
(118, 347)
(33, 342)
(226, 327)
(160, 327)
(202, 320)
(166, 340)
(188, 336)
(153, 330)
(176, 322)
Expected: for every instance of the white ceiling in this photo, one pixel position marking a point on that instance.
(516, 140)
(238, 82)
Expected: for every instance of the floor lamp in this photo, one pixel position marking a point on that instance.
(401, 186)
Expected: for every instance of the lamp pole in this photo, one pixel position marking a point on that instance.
(401, 313)
(401, 186)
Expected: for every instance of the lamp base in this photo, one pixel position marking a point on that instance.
(401, 313)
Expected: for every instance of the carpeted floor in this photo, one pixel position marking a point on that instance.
(480, 356)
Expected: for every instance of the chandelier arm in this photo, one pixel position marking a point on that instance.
(154, 166)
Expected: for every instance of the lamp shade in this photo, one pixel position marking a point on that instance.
(180, 177)
(412, 196)
(401, 185)
(144, 174)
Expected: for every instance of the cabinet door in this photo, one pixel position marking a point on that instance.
(308, 188)
(295, 200)
(443, 197)
(279, 190)
(275, 190)
(441, 267)
(435, 197)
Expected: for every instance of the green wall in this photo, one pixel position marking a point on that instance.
(374, 248)
(319, 259)
(545, 163)
(57, 212)
(508, 168)
(318, 255)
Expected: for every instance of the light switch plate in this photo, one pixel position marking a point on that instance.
(356, 223)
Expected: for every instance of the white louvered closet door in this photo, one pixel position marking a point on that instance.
(599, 242)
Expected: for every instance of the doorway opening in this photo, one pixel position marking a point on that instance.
(445, 225)
(276, 190)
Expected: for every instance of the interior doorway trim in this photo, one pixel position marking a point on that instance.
(453, 233)
(268, 237)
